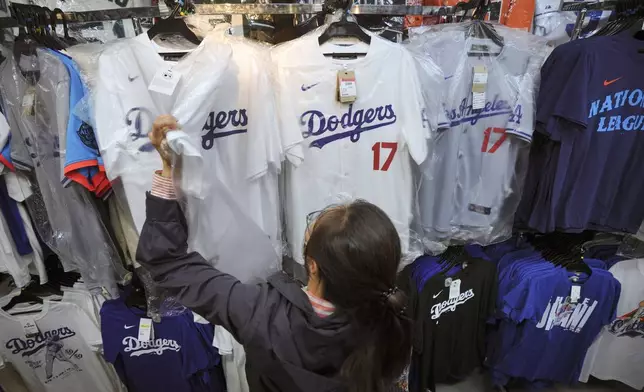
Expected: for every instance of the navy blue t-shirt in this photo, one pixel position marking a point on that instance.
(545, 335)
(178, 358)
(594, 90)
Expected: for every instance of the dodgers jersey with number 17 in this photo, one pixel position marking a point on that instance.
(341, 151)
(470, 185)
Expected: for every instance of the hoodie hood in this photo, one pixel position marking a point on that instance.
(308, 350)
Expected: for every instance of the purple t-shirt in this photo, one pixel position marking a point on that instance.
(548, 334)
(594, 91)
(177, 359)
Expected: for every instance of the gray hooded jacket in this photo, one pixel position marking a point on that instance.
(288, 347)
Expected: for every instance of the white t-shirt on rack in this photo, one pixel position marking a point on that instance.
(618, 352)
(345, 151)
(61, 357)
(239, 145)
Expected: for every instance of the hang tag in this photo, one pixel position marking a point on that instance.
(455, 289)
(146, 330)
(165, 81)
(347, 91)
(29, 102)
(30, 327)
(479, 85)
(575, 294)
(28, 63)
(478, 208)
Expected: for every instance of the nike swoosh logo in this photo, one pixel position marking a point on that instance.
(447, 77)
(131, 79)
(436, 296)
(609, 82)
(305, 88)
(129, 327)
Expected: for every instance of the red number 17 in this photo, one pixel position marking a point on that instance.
(393, 147)
(497, 144)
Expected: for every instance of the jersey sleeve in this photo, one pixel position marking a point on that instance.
(290, 133)
(522, 119)
(432, 82)
(264, 144)
(415, 122)
(563, 88)
(109, 112)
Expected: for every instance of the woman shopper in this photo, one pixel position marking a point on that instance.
(346, 331)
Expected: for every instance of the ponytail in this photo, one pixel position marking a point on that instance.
(385, 351)
(357, 251)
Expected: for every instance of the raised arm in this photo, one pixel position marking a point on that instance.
(163, 251)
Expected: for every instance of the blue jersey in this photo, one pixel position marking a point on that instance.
(83, 163)
(179, 357)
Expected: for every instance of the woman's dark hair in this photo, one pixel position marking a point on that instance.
(357, 251)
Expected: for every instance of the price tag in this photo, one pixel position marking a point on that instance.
(575, 294)
(347, 88)
(165, 81)
(30, 327)
(146, 330)
(28, 63)
(29, 102)
(479, 85)
(455, 289)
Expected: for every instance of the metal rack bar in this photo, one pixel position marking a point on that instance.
(287, 8)
(587, 5)
(89, 16)
(111, 14)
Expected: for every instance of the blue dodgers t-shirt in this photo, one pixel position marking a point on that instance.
(549, 340)
(595, 87)
(177, 359)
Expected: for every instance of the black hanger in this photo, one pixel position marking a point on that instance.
(173, 25)
(136, 297)
(55, 41)
(66, 38)
(24, 44)
(345, 28)
(24, 296)
(484, 30)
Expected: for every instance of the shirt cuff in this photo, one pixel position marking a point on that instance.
(163, 187)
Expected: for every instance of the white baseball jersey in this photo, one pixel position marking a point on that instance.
(124, 107)
(240, 149)
(358, 150)
(618, 352)
(468, 182)
(215, 110)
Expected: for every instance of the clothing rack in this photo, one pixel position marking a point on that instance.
(81, 16)
(287, 8)
(231, 9)
(588, 5)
